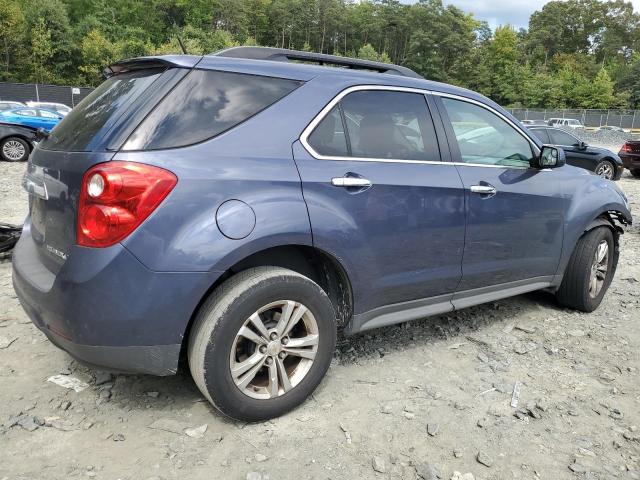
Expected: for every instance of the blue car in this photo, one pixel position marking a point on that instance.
(242, 207)
(32, 117)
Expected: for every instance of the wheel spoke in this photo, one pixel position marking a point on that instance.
(284, 376)
(239, 368)
(593, 285)
(250, 375)
(257, 321)
(298, 313)
(251, 335)
(285, 316)
(602, 251)
(299, 352)
(273, 380)
(308, 341)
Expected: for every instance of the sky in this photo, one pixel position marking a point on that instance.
(514, 12)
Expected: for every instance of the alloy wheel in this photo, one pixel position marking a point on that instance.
(599, 268)
(274, 349)
(605, 170)
(13, 150)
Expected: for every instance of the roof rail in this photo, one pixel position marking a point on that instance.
(285, 55)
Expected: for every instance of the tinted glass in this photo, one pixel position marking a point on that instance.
(389, 125)
(26, 113)
(541, 134)
(485, 138)
(205, 104)
(99, 111)
(328, 138)
(558, 137)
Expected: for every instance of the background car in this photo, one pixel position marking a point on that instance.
(566, 122)
(612, 128)
(8, 105)
(533, 122)
(16, 142)
(630, 155)
(33, 117)
(599, 160)
(61, 108)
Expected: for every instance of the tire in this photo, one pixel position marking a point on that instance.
(575, 291)
(14, 149)
(215, 343)
(605, 169)
(635, 173)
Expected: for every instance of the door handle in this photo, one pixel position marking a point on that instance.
(349, 182)
(484, 189)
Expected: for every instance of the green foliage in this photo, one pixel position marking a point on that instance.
(575, 53)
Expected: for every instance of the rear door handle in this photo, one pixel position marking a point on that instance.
(348, 182)
(484, 189)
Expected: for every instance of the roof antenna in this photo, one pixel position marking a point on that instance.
(182, 47)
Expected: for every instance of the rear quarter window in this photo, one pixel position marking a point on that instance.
(205, 104)
(99, 111)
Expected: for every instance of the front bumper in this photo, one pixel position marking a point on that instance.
(105, 308)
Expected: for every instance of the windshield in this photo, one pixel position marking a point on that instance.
(99, 111)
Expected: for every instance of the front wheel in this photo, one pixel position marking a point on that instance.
(262, 343)
(590, 271)
(14, 149)
(605, 169)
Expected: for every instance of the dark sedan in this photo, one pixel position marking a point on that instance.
(16, 142)
(630, 155)
(599, 160)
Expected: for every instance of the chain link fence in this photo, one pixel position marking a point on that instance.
(25, 92)
(628, 119)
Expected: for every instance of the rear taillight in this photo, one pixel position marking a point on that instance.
(626, 148)
(116, 197)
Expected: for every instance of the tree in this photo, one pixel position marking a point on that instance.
(11, 25)
(599, 93)
(41, 52)
(97, 53)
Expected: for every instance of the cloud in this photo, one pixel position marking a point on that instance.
(500, 12)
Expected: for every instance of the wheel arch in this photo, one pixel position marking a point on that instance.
(314, 263)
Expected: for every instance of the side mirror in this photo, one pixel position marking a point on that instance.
(551, 157)
(582, 146)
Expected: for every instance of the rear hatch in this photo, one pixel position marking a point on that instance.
(90, 134)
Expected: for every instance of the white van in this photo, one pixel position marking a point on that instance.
(566, 122)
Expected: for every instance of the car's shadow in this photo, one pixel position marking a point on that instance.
(175, 393)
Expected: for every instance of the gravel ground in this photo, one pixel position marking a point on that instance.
(424, 400)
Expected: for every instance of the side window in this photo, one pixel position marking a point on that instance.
(558, 137)
(47, 114)
(390, 125)
(378, 124)
(328, 138)
(27, 113)
(542, 134)
(204, 104)
(486, 139)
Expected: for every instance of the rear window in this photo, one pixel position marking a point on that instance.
(205, 104)
(99, 111)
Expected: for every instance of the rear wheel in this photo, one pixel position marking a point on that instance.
(262, 342)
(14, 149)
(636, 173)
(590, 271)
(605, 169)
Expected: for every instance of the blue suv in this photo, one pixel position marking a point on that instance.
(238, 209)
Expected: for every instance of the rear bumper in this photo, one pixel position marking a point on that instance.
(105, 308)
(630, 161)
(158, 360)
